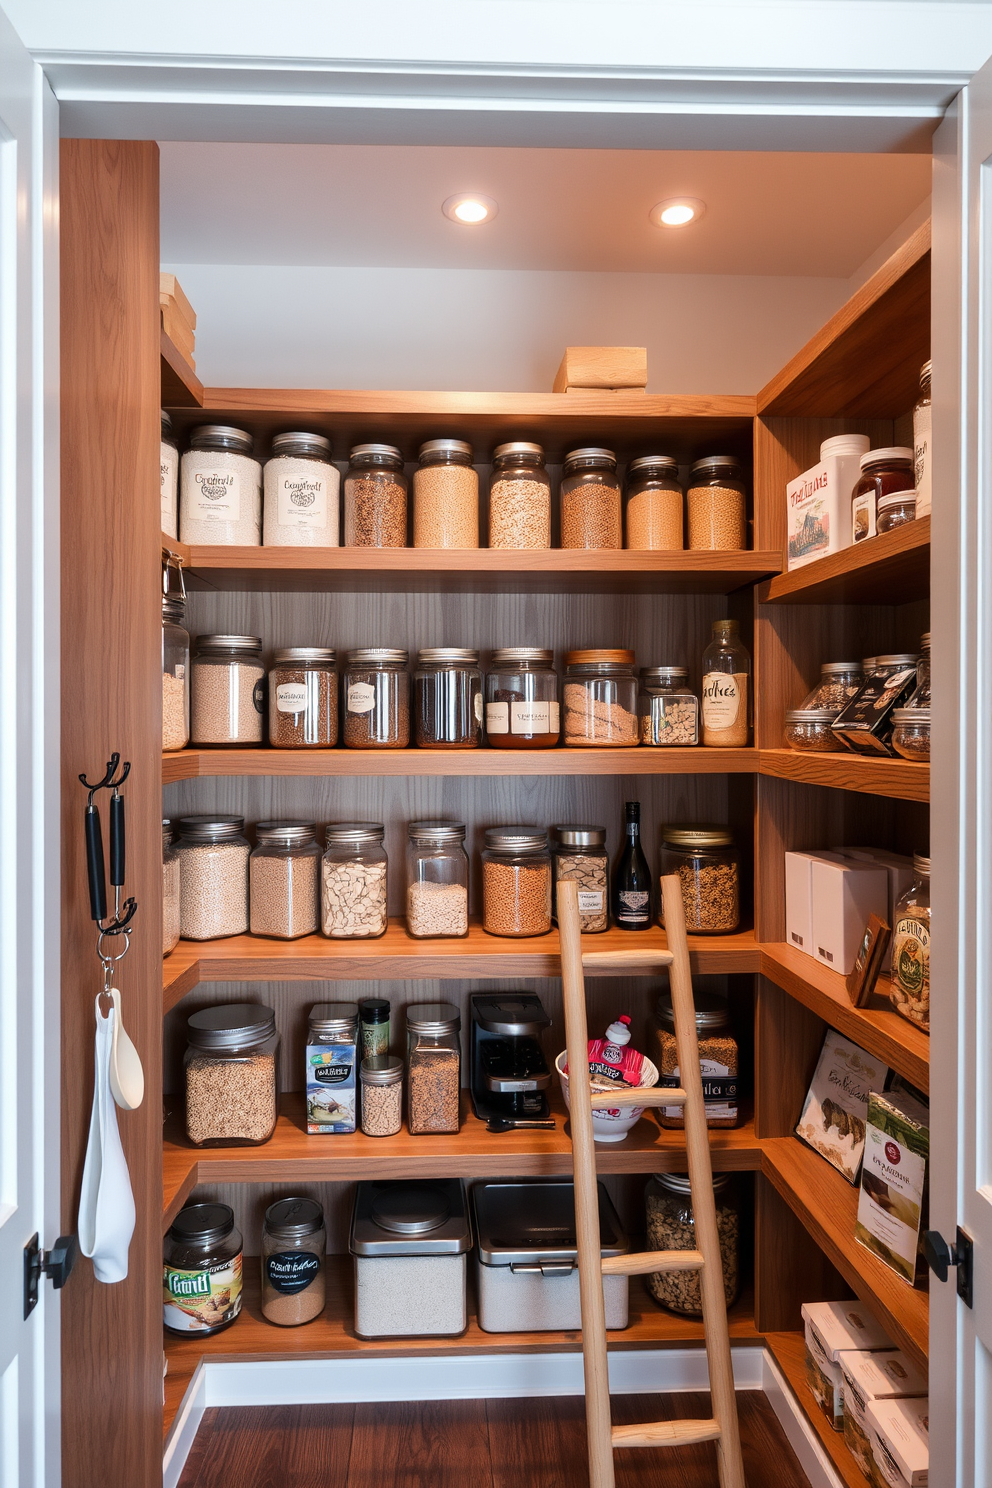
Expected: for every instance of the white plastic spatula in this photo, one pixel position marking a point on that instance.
(127, 1078)
(106, 1203)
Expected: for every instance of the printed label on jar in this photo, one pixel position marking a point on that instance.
(259, 695)
(921, 462)
(477, 706)
(554, 726)
(719, 1090)
(216, 495)
(201, 1299)
(291, 1271)
(530, 718)
(301, 501)
(361, 697)
(591, 901)
(498, 718)
(633, 906)
(721, 700)
(291, 697)
(911, 955)
(167, 475)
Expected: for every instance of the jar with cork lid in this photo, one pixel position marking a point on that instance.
(590, 500)
(445, 496)
(375, 492)
(519, 497)
(655, 509)
(600, 699)
(716, 504)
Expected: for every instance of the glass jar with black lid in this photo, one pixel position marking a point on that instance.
(590, 500)
(294, 1243)
(522, 710)
(448, 698)
(202, 1270)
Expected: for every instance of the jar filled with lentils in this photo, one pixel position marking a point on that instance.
(433, 1061)
(228, 690)
(708, 868)
(170, 890)
(580, 858)
(381, 1078)
(447, 688)
(301, 489)
(716, 504)
(175, 673)
(654, 504)
(376, 699)
(445, 496)
(220, 501)
(667, 707)
(600, 699)
(284, 879)
(516, 881)
(230, 1074)
(213, 877)
(671, 1225)
(294, 1242)
(519, 497)
(303, 698)
(522, 709)
(353, 894)
(718, 1060)
(590, 500)
(375, 491)
(436, 880)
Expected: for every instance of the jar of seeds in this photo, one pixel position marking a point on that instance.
(654, 504)
(445, 496)
(437, 880)
(221, 497)
(375, 498)
(433, 1056)
(373, 1013)
(230, 1074)
(284, 878)
(667, 708)
(600, 699)
(447, 687)
(839, 681)
(377, 699)
(353, 896)
(294, 1243)
(516, 881)
(170, 890)
(580, 857)
(303, 698)
(716, 503)
(718, 1060)
(671, 1225)
(213, 877)
(810, 730)
(708, 868)
(175, 674)
(519, 497)
(381, 1078)
(228, 691)
(909, 988)
(301, 493)
(522, 699)
(169, 475)
(911, 733)
(590, 500)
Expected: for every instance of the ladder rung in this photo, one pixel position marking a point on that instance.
(624, 960)
(646, 1261)
(653, 1095)
(666, 1434)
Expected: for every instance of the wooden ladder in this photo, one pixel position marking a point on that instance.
(602, 1435)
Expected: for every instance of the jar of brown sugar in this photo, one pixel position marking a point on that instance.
(654, 504)
(516, 881)
(600, 699)
(590, 500)
(303, 699)
(716, 503)
(375, 491)
(294, 1242)
(718, 1060)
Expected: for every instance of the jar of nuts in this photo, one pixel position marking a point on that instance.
(590, 500)
(716, 502)
(668, 709)
(284, 878)
(580, 857)
(522, 699)
(519, 497)
(600, 699)
(228, 690)
(230, 1072)
(433, 1056)
(718, 1060)
(303, 698)
(708, 868)
(909, 988)
(445, 496)
(170, 890)
(375, 498)
(671, 1225)
(175, 674)
(654, 504)
(353, 895)
(381, 1076)
(377, 699)
(437, 880)
(516, 881)
(213, 877)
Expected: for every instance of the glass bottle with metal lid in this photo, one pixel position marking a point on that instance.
(437, 880)
(667, 707)
(433, 1056)
(445, 496)
(522, 710)
(301, 489)
(375, 491)
(213, 877)
(227, 705)
(381, 1076)
(516, 881)
(580, 856)
(294, 1243)
(303, 698)
(353, 895)
(169, 477)
(220, 502)
(519, 497)
(175, 673)
(447, 688)
(230, 1072)
(376, 699)
(284, 880)
(590, 500)
(202, 1270)
(655, 515)
(708, 868)
(716, 504)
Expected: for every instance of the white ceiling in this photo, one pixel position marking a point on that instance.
(380, 207)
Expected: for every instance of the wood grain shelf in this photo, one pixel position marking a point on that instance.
(902, 779)
(827, 1205)
(893, 568)
(181, 388)
(789, 1351)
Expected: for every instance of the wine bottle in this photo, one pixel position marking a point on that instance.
(632, 879)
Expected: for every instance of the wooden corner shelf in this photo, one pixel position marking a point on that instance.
(789, 1352)
(901, 779)
(181, 388)
(893, 568)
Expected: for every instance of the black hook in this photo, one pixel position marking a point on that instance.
(108, 782)
(119, 926)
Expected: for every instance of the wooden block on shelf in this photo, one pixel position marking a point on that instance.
(178, 333)
(605, 368)
(170, 288)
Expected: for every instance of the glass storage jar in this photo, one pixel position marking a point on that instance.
(447, 690)
(716, 504)
(522, 699)
(921, 697)
(719, 1060)
(580, 857)
(590, 500)
(726, 699)
(169, 476)
(303, 698)
(671, 1225)
(373, 1014)
(667, 707)
(213, 877)
(353, 877)
(655, 516)
(922, 452)
(895, 510)
(519, 497)
(911, 732)
(284, 880)
(381, 1077)
(882, 471)
(220, 502)
(376, 699)
(839, 681)
(294, 1245)
(809, 730)
(600, 699)
(202, 1270)
(433, 1061)
(175, 674)
(909, 988)
(708, 868)
(445, 496)
(230, 1075)
(375, 498)
(301, 489)
(436, 880)
(170, 890)
(516, 881)
(227, 684)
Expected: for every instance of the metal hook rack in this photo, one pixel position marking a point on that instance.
(120, 922)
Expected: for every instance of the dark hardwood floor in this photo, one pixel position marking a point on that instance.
(467, 1444)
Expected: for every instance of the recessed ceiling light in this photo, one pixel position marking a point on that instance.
(469, 208)
(678, 211)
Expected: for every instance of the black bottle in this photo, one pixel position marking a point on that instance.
(632, 877)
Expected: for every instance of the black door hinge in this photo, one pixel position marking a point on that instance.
(941, 1257)
(56, 1264)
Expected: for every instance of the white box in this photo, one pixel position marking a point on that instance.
(898, 867)
(799, 897)
(900, 1441)
(886, 1374)
(818, 502)
(835, 1327)
(845, 893)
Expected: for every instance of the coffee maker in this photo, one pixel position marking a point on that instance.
(510, 1074)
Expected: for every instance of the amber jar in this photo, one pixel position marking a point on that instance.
(522, 699)
(882, 471)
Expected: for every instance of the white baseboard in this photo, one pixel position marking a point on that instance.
(184, 1428)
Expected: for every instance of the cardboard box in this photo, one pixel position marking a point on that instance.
(844, 893)
(893, 1180)
(885, 1374)
(799, 897)
(178, 333)
(826, 1385)
(602, 367)
(818, 502)
(169, 288)
(835, 1111)
(331, 1088)
(900, 1440)
(897, 866)
(834, 1328)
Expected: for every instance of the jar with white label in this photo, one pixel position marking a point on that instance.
(303, 698)
(201, 1272)
(220, 500)
(447, 687)
(922, 452)
(301, 493)
(375, 492)
(726, 688)
(175, 674)
(377, 699)
(719, 1060)
(882, 471)
(169, 476)
(909, 988)
(522, 710)
(436, 880)
(228, 690)
(580, 857)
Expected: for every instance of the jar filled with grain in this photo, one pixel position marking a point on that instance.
(303, 698)
(170, 890)
(169, 476)
(381, 1077)
(717, 504)
(284, 879)
(230, 1075)
(726, 688)
(581, 858)
(718, 1060)
(445, 496)
(590, 500)
(175, 674)
(227, 683)
(708, 868)
(436, 880)
(516, 881)
(220, 501)
(600, 699)
(810, 730)
(911, 733)
(655, 516)
(294, 1246)
(671, 1225)
(522, 709)
(353, 894)
(375, 498)
(376, 699)
(519, 497)
(433, 1060)
(213, 877)
(202, 1271)
(667, 707)
(447, 687)
(839, 681)
(301, 490)
(909, 988)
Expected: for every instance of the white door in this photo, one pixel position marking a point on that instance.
(29, 778)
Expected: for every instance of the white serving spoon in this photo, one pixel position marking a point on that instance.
(127, 1078)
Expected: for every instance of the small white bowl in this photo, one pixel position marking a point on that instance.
(611, 1126)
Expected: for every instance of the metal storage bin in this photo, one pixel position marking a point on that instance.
(409, 1240)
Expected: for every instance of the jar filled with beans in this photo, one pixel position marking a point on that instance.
(375, 490)
(718, 1060)
(433, 1060)
(717, 505)
(519, 497)
(220, 500)
(170, 890)
(175, 674)
(437, 880)
(590, 500)
(303, 698)
(708, 868)
(353, 881)
(522, 709)
(580, 858)
(230, 1074)
(671, 1225)
(228, 690)
(600, 699)
(381, 1077)
(213, 877)
(447, 687)
(445, 496)
(284, 880)
(376, 699)
(516, 881)
(654, 504)
(667, 707)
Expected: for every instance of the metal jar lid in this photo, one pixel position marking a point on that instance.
(654, 462)
(697, 836)
(166, 831)
(328, 1018)
(897, 659)
(373, 656)
(167, 433)
(230, 1025)
(211, 828)
(302, 444)
(173, 608)
(712, 1011)
(518, 447)
(925, 374)
(507, 657)
(381, 1069)
(293, 1219)
(581, 836)
(679, 1182)
(836, 668)
(202, 1224)
(664, 674)
(591, 457)
(304, 655)
(925, 641)
(439, 447)
(918, 716)
(411, 1211)
(433, 1018)
(615, 657)
(367, 453)
(716, 462)
(436, 831)
(891, 454)
(249, 645)
(447, 655)
(921, 864)
(222, 437)
(516, 839)
(811, 715)
(285, 832)
(353, 834)
(896, 498)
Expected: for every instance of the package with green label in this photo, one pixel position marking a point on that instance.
(893, 1179)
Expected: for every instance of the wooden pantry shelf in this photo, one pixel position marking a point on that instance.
(892, 568)
(181, 388)
(902, 779)
(789, 1352)
(827, 1205)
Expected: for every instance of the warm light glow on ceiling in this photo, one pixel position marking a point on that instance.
(677, 212)
(469, 208)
